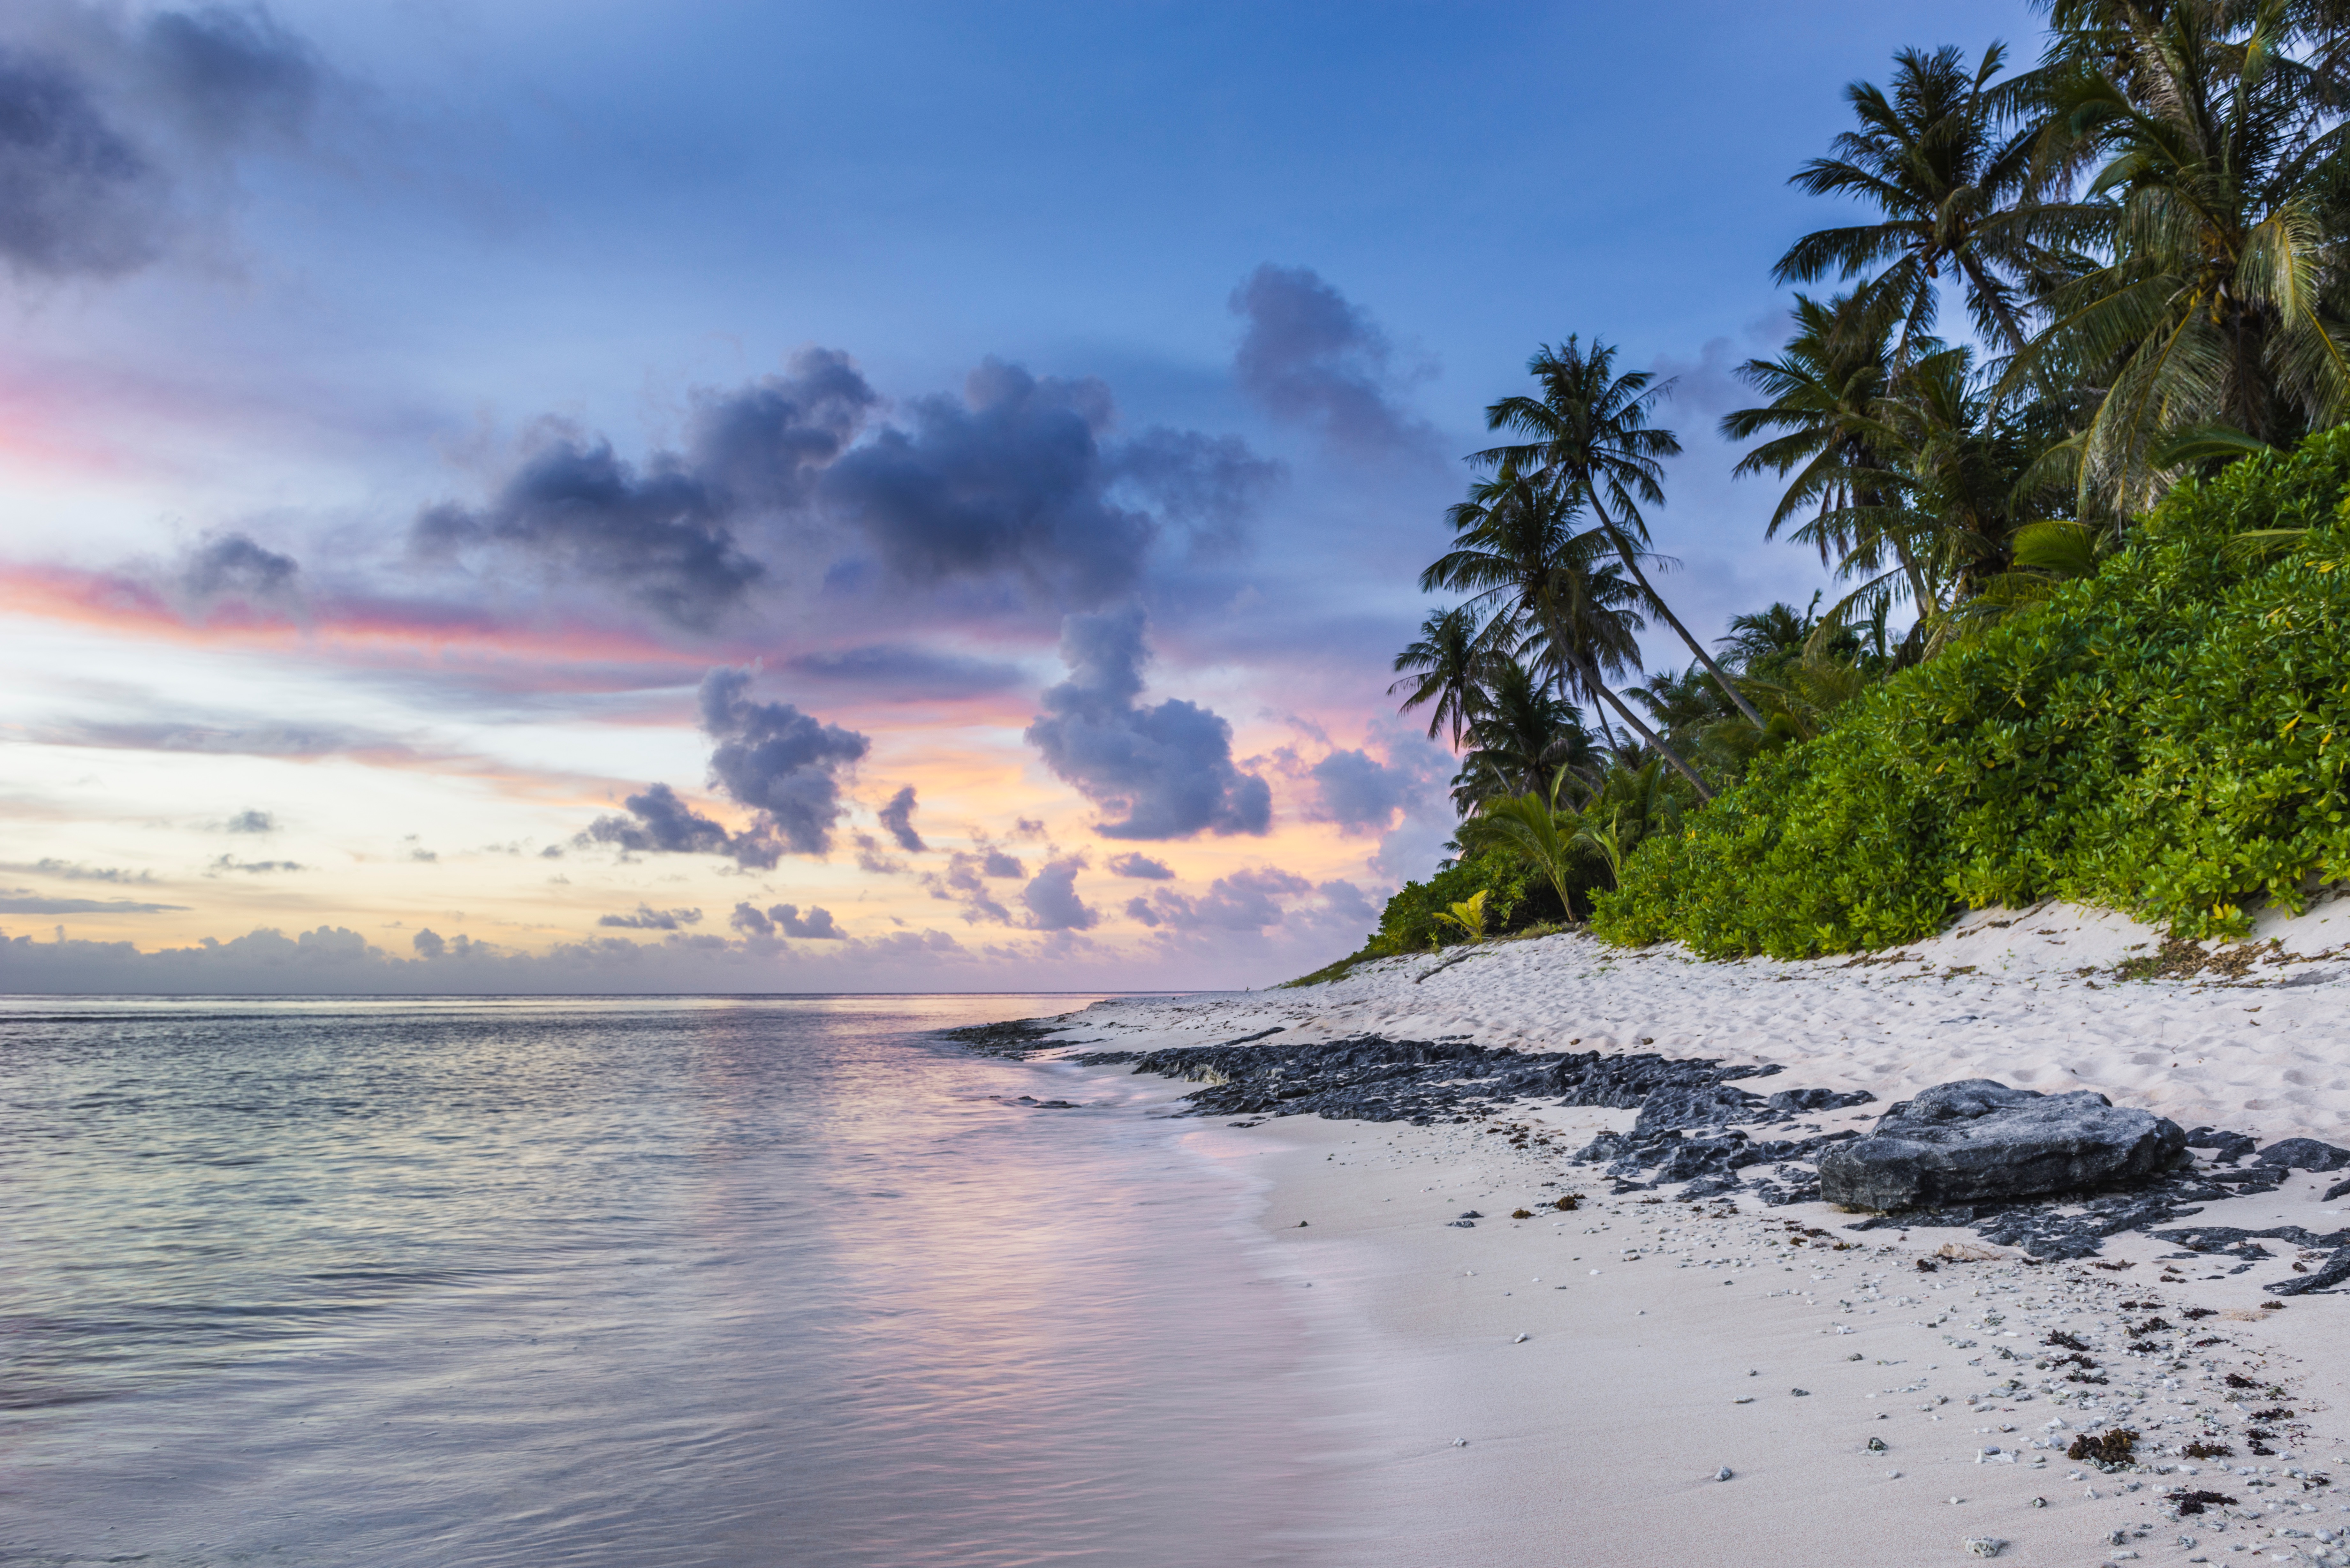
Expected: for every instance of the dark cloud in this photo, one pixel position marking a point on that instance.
(778, 760)
(656, 533)
(230, 565)
(75, 196)
(1010, 477)
(660, 823)
(997, 862)
(252, 868)
(251, 821)
(231, 72)
(817, 925)
(663, 531)
(1135, 864)
(762, 446)
(1209, 485)
(898, 817)
(72, 872)
(428, 943)
(1247, 900)
(1019, 477)
(24, 901)
(647, 918)
(1311, 357)
(1357, 793)
(899, 670)
(1052, 897)
(1160, 772)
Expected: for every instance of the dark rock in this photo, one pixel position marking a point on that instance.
(1470, 1214)
(2334, 1191)
(2230, 1146)
(1713, 1106)
(2305, 1153)
(2325, 1277)
(1790, 1102)
(1976, 1139)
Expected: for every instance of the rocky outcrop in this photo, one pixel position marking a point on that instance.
(1977, 1140)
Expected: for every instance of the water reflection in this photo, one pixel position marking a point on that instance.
(642, 1281)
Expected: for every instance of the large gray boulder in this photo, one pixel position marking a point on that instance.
(1977, 1140)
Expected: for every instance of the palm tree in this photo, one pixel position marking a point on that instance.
(1950, 191)
(1592, 439)
(1827, 391)
(1445, 669)
(1516, 547)
(1525, 734)
(2218, 158)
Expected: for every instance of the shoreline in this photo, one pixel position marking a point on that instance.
(1577, 1381)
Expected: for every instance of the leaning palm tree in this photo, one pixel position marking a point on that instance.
(2218, 159)
(1445, 668)
(1590, 437)
(1950, 191)
(1517, 547)
(1524, 733)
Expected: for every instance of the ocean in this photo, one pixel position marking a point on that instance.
(743, 1280)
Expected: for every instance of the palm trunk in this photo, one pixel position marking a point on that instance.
(1599, 688)
(1631, 561)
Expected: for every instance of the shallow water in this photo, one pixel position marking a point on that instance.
(628, 1281)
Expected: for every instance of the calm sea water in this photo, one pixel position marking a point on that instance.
(638, 1282)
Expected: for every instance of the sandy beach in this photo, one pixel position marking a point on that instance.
(1572, 1386)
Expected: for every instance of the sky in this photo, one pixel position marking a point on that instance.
(730, 497)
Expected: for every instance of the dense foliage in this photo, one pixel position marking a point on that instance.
(2165, 738)
(2114, 537)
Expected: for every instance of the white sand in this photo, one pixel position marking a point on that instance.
(1664, 1341)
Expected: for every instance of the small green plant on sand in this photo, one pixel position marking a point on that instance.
(1469, 915)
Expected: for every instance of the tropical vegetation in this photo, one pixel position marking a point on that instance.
(2056, 415)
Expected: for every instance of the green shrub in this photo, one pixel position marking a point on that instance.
(1517, 897)
(2165, 738)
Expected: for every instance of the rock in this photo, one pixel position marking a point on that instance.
(1976, 1139)
(2325, 1276)
(2305, 1153)
(1800, 1392)
(1877, 1445)
(1791, 1100)
(1470, 1214)
(1721, 1474)
(1984, 1545)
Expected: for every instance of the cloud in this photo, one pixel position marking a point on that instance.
(24, 901)
(659, 823)
(815, 926)
(428, 943)
(647, 918)
(76, 197)
(231, 73)
(1135, 864)
(899, 670)
(963, 881)
(231, 565)
(251, 821)
(872, 857)
(1312, 357)
(252, 868)
(1052, 897)
(72, 872)
(662, 531)
(897, 816)
(1357, 793)
(1247, 900)
(1160, 772)
(777, 760)
(1019, 477)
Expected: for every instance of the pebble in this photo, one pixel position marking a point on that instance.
(1522, 1339)
(1721, 1474)
(1984, 1545)
(1800, 1392)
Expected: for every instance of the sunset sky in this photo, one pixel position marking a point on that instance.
(770, 497)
